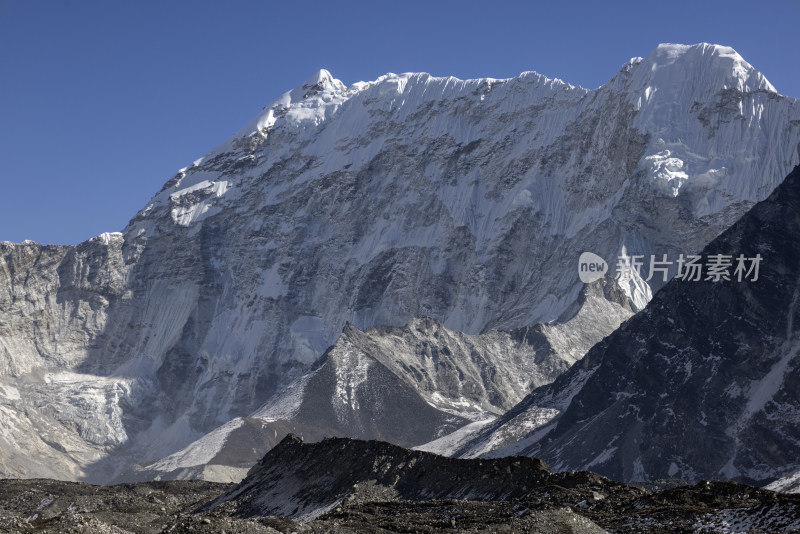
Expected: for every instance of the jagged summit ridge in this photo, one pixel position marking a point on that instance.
(662, 62)
(660, 87)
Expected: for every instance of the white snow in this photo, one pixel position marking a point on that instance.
(106, 237)
(787, 484)
(9, 392)
(516, 434)
(199, 452)
(285, 404)
(603, 457)
(764, 390)
(666, 172)
(447, 445)
(351, 371)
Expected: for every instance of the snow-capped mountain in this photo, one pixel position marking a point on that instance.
(410, 196)
(702, 384)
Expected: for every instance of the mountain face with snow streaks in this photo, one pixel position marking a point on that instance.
(702, 384)
(467, 201)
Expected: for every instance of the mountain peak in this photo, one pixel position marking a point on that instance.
(322, 79)
(314, 110)
(720, 65)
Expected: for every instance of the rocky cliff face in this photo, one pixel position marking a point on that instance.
(61, 409)
(414, 386)
(465, 201)
(701, 384)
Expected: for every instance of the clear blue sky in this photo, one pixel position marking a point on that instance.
(102, 101)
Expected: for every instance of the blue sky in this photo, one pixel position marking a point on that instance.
(102, 101)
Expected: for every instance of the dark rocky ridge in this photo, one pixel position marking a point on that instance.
(365, 485)
(304, 480)
(378, 487)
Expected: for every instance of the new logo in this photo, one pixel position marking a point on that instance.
(591, 267)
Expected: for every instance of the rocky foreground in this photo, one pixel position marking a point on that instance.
(343, 485)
